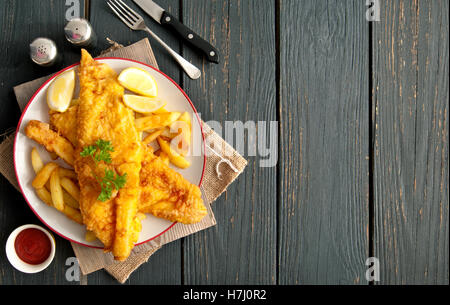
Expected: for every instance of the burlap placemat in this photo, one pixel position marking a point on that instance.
(91, 260)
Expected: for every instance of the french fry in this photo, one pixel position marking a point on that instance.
(71, 188)
(154, 121)
(152, 137)
(164, 157)
(36, 161)
(56, 191)
(174, 157)
(70, 212)
(43, 183)
(185, 117)
(70, 201)
(64, 172)
(43, 175)
(165, 138)
(45, 196)
(73, 214)
(167, 134)
(90, 236)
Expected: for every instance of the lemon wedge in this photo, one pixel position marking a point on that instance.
(60, 91)
(139, 81)
(143, 104)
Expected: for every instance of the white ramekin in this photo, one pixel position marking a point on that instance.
(17, 262)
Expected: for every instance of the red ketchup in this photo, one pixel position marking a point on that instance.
(32, 246)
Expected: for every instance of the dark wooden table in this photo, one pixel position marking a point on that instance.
(363, 138)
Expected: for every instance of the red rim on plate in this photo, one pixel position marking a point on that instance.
(70, 67)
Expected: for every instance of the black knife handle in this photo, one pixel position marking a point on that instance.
(188, 35)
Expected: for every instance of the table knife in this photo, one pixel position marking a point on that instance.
(168, 20)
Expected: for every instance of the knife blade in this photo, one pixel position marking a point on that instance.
(166, 19)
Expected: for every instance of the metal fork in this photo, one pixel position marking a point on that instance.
(135, 22)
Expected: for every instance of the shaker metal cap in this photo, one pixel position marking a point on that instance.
(79, 32)
(43, 51)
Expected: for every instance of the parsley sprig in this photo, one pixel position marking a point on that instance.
(109, 182)
(101, 152)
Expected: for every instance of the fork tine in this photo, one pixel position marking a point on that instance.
(125, 11)
(116, 11)
(130, 9)
(119, 15)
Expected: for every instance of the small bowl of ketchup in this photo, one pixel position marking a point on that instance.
(30, 248)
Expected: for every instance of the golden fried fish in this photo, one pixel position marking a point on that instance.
(102, 115)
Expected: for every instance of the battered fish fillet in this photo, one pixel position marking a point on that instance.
(65, 123)
(102, 115)
(165, 193)
(41, 133)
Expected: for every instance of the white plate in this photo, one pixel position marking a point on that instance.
(37, 109)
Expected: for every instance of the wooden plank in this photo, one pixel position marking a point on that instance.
(20, 23)
(411, 142)
(164, 267)
(241, 249)
(324, 169)
(107, 25)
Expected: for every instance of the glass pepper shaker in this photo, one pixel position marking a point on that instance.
(79, 33)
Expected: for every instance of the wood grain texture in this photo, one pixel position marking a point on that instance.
(20, 23)
(323, 229)
(107, 25)
(411, 59)
(241, 249)
(306, 221)
(163, 267)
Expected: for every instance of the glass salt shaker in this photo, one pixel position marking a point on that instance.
(43, 51)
